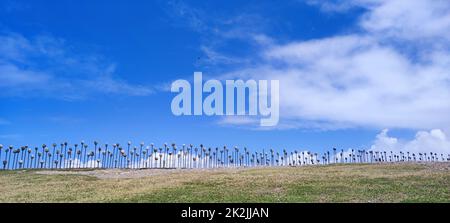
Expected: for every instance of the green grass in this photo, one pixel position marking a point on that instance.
(335, 183)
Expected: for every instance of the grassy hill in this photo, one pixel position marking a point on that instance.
(334, 183)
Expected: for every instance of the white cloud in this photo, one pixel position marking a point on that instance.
(384, 142)
(213, 57)
(424, 141)
(375, 78)
(407, 19)
(48, 66)
(338, 5)
(217, 31)
(11, 136)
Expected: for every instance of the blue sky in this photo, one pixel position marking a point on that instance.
(84, 70)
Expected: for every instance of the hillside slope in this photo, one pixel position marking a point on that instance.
(334, 183)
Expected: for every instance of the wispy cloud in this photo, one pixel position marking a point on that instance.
(213, 57)
(14, 6)
(4, 122)
(48, 66)
(10, 136)
(218, 30)
(190, 17)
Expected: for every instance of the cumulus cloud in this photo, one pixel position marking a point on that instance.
(48, 66)
(376, 77)
(434, 141)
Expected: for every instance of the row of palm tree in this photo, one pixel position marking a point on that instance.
(65, 156)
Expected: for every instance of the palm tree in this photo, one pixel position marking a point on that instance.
(65, 153)
(56, 157)
(105, 161)
(133, 154)
(202, 149)
(54, 147)
(166, 151)
(79, 158)
(128, 150)
(39, 159)
(144, 155)
(61, 155)
(49, 160)
(9, 157)
(222, 157)
(95, 151)
(184, 154)
(175, 164)
(215, 157)
(120, 153)
(352, 155)
(327, 157)
(30, 162)
(109, 159)
(92, 159)
(272, 157)
(312, 158)
(208, 157)
(140, 153)
(99, 156)
(69, 153)
(160, 157)
(195, 157)
(85, 146)
(83, 154)
(35, 154)
(14, 159)
(235, 154)
(114, 155)
(1, 147)
(334, 155)
(32, 159)
(225, 149)
(23, 151)
(154, 151)
(45, 154)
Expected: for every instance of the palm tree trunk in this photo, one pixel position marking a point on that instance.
(14, 161)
